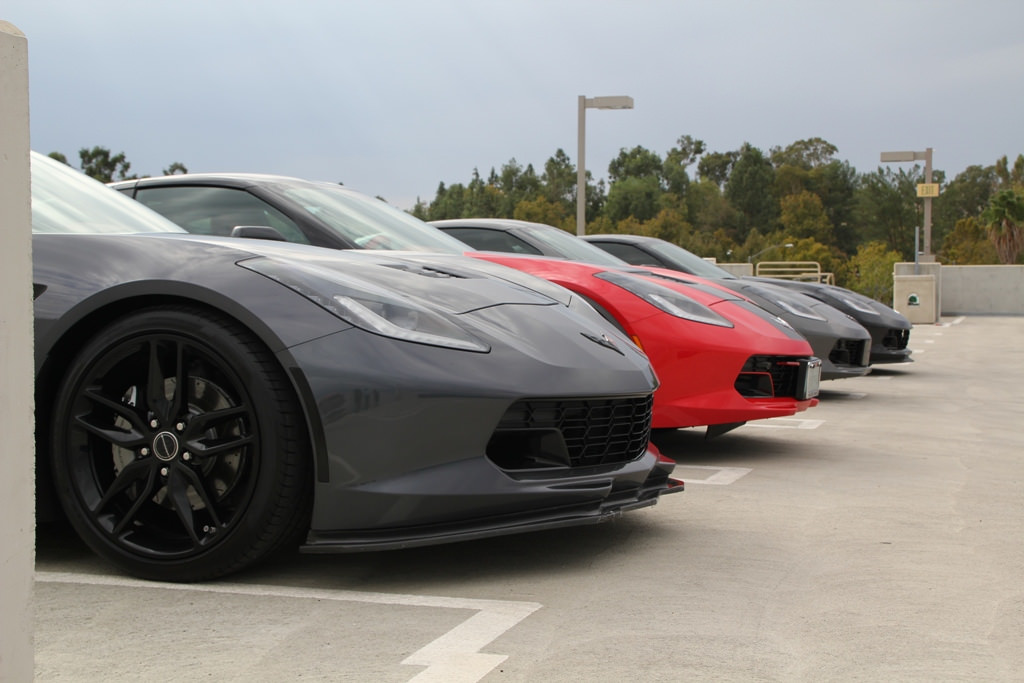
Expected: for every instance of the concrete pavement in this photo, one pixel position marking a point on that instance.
(878, 536)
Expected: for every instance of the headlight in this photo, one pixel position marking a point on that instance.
(665, 299)
(853, 303)
(790, 304)
(797, 308)
(368, 307)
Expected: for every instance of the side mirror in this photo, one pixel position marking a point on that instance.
(257, 232)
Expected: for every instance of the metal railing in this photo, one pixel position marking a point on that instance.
(805, 271)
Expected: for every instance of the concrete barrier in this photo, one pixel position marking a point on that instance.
(983, 290)
(956, 290)
(17, 497)
(915, 297)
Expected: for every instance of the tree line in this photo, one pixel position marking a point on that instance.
(737, 204)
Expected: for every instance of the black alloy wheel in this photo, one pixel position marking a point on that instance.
(179, 450)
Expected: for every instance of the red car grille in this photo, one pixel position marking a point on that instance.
(769, 377)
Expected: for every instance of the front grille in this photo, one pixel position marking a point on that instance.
(571, 433)
(769, 377)
(848, 352)
(896, 340)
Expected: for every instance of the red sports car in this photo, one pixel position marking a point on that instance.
(721, 360)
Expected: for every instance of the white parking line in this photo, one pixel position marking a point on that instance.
(786, 423)
(847, 395)
(453, 657)
(723, 476)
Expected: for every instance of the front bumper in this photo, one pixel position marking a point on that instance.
(588, 500)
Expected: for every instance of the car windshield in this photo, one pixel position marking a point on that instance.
(368, 222)
(571, 247)
(67, 201)
(695, 265)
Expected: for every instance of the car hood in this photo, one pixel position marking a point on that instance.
(840, 298)
(458, 284)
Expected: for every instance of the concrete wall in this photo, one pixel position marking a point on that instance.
(17, 500)
(994, 290)
(958, 290)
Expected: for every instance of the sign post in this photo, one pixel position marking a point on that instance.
(926, 190)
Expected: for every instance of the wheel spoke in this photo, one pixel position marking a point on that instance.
(180, 399)
(134, 472)
(110, 433)
(204, 495)
(209, 448)
(123, 410)
(143, 496)
(177, 490)
(209, 420)
(155, 398)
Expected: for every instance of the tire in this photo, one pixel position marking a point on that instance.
(179, 485)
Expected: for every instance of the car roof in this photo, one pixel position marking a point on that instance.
(618, 237)
(229, 179)
(496, 223)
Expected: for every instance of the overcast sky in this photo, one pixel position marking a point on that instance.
(391, 97)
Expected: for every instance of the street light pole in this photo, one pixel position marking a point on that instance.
(750, 259)
(585, 103)
(927, 191)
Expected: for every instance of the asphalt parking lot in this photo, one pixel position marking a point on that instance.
(876, 537)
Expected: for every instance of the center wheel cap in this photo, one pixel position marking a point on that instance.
(165, 446)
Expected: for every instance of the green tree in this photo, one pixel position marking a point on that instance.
(515, 184)
(1004, 220)
(175, 168)
(802, 215)
(968, 244)
(59, 157)
(421, 210)
(708, 209)
(638, 162)
(449, 202)
(675, 177)
(1010, 176)
(964, 197)
(633, 196)
(870, 271)
(805, 154)
(835, 183)
(887, 209)
(558, 182)
(543, 210)
(105, 167)
(669, 225)
(715, 167)
(751, 191)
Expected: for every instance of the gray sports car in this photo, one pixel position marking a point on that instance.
(203, 402)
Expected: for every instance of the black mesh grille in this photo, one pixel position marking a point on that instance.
(545, 433)
(848, 352)
(896, 339)
(769, 377)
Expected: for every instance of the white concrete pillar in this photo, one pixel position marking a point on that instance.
(17, 462)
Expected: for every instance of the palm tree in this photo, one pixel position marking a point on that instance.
(1004, 219)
